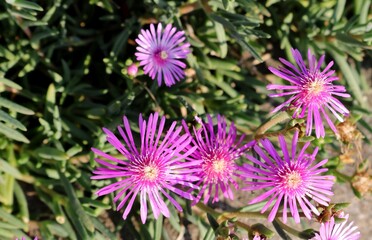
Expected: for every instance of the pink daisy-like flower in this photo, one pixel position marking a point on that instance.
(290, 179)
(217, 149)
(337, 231)
(311, 90)
(160, 53)
(157, 166)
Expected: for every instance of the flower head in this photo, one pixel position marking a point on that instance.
(217, 149)
(335, 231)
(290, 179)
(311, 90)
(160, 51)
(149, 171)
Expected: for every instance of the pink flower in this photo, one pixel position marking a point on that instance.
(217, 149)
(334, 231)
(289, 178)
(160, 53)
(149, 171)
(311, 91)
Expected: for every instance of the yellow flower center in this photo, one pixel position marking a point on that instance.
(219, 165)
(150, 173)
(315, 87)
(163, 55)
(293, 180)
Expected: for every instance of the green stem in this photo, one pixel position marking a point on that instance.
(221, 217)
(342, 176)
(229, 215)
(207, 209)
(288, 229)
(251, 214)
(280, 117)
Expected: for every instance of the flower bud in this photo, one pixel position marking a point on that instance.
(132, 70)
(260, 231)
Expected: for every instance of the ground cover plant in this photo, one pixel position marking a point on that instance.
(152, 119)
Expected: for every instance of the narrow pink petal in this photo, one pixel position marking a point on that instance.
(130, 204)
(143, 203)
(275, 208)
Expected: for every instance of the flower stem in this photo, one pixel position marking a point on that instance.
(280, 117)
(288, 229)
(244, 215)
(207, 209)
(222, 216)
(342, 176)
(229, 215)
(238, 223)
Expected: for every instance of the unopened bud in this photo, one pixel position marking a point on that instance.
(132, 70)
(260, 231)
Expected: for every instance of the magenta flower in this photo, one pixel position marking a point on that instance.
(149, 171)
(311, 90)
(217, 151)
(160, 53)
(290, 179)
(331, 230)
